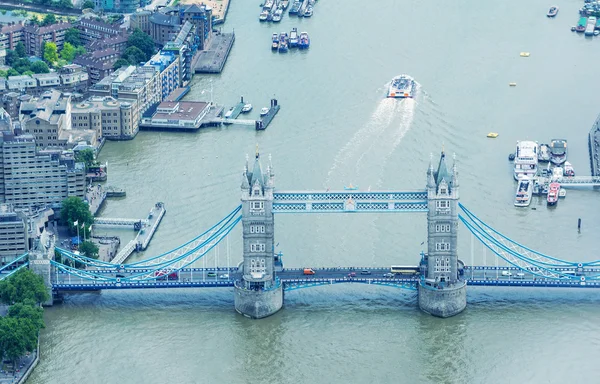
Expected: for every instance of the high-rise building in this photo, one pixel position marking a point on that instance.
(13, 234)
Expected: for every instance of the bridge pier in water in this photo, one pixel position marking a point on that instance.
(442, 291)
(258, 292)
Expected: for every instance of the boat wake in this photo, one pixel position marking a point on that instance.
(362, 140)
(372, 145)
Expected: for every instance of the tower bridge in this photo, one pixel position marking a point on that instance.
(260, 279)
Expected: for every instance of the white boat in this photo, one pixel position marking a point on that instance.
(277, 15)
(562, 193)
(544, 153)
(263, 16)
(228, 113)
(524, 192)
(402, 86)
(568, 169)
(526, 159)
(247, 108)
(264, 111)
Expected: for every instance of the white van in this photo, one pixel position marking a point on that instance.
(506, 273)
(519, 275)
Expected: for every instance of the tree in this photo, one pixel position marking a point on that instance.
(3, 73)
(72, 37)
(49, 19)
(68, 52)
(10, 58)
(27, 73)
(23, 285)
(50, 53)
(120, 63)
(28, 310)
(39, 67)
(88, 4)
(20, 49)
(142, 41)
(89, 249)
(134, 55)
(80, 51)
(21, 65)
(13, 72)
(76, 210)
(85, 156)
(13, 339)
(66, 3)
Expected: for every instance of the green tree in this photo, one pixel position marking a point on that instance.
(89, 249)
(66, 3)
(28, 310)
(3, 73)
(21, 65)
(134, 55)
(76, 210)
(27, 72)
(50, 53)
(20, 49)
(14, 338)
(142, 41)
(23, 285)
(39, 67)
(88, 4)
(49, 19)
(85, 156)
(68, 52)
(11, 57)
(13, 72)
(72, 37)
(120, 63)
(80, 51)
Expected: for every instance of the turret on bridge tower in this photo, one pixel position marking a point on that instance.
(442, 292)
(258, 293)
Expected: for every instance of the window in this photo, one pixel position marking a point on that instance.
(257, 205)
(442, 246)
(442, 264)
(257, 247)
(442, 227)
(257, 229)
(442, 204)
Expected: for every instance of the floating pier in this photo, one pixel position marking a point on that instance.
(115, 192)
(141, 241)
(235, 112)
(263, 123)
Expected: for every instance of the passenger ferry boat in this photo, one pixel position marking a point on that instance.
(524, 192)
(543, 153)
(526, 159)
(558, 151)
(402, 86)
(553, 192)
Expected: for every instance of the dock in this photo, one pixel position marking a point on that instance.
(594, 146)
(213, 59)
(235, 112)
(145, 234)
(263, 123)
(95, 197)
(115, 192)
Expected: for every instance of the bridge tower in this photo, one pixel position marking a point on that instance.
(442, 292)
(39, 262)
(258, 293)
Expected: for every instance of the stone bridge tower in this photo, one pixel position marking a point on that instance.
(442, 293)
(258, 293)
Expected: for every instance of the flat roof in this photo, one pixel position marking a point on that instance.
(188, 110)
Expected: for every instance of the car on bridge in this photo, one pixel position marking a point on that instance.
(388, 275)
(309, 271)
(224, 276)
(166, 275)
(365, 272)
(352, 274)
(211, 274)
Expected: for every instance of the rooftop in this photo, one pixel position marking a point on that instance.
(182, 110)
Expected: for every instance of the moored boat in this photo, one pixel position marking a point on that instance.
(568, 169)
(295, 7)
(309, 11)
(304, 41)
(264, 15)
(402, 86)
(552, 11)
(581, 24)
(524, 192)
(247, 108)
(553, 191)
(526, 159)
(275, 44)
(277, 16)
(294, 38)
(283, 42)
(264, 111)
(544, 153)
(285, 4)
(558, 151)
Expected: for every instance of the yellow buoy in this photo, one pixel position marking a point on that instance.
(492, 135)
(512, 84)
(524, 54)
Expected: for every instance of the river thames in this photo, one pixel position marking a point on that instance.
(334, 129)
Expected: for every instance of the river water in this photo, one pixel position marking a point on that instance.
(335, 128)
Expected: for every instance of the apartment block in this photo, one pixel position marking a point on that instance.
(13, 234)
(35, 36)
(99, 64)
(113, 119)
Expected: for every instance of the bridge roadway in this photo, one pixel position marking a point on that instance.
(295, 278)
